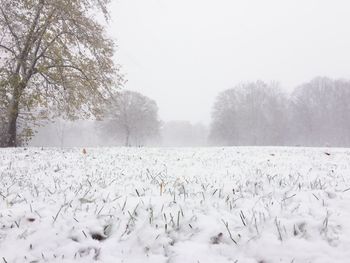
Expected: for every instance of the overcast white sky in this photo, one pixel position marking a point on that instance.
(181, 53)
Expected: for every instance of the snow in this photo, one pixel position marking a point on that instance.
(175, 205)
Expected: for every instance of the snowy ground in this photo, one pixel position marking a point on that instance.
(259, 205)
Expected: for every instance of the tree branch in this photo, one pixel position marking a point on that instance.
(42, 53)
(71, 67)
(8, 49)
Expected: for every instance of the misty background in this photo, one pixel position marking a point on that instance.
(207, 65)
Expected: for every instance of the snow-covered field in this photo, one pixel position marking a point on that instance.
(259, 205)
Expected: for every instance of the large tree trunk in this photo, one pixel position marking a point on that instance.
(12, 126)
(12, 117)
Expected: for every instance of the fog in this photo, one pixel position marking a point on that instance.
(185, 54)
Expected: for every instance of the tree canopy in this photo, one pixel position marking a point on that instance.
(132, 119)
(55, 57)
(315, 114)
(249, 114)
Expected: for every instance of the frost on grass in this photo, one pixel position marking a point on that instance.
(175, 205)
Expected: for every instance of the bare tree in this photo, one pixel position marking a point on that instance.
(133, 118)
(321, 113)
(316, 114)
(250, 114)
(54, 55)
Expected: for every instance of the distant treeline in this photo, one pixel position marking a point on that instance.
(317, 113)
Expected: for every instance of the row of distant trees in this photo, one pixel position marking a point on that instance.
(130, 119)
(317, 113)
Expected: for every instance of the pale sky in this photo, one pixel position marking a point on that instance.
(182, 53)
